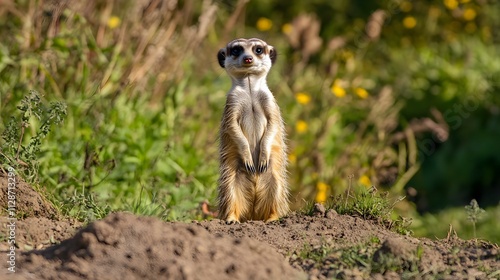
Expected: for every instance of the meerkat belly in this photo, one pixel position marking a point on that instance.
(253, 125)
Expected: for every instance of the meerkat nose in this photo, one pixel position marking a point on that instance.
(247, 59)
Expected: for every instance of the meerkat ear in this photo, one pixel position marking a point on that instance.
(221, 56)
(273, 54)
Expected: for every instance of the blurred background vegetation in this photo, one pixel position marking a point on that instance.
(402, 95)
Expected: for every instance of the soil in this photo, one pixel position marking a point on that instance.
(38, 223)
(322, 246)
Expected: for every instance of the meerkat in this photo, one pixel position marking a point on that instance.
(253, 157)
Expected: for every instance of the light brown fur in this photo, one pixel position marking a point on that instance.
(253, 156)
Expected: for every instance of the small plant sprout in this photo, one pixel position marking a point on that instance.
(474, 213)
(350, 177)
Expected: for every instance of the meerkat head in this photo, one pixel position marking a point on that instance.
(243, 57)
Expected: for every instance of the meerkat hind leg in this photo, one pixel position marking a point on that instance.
(266, 198)
(228, 208)
(240, 204)
(232, 220)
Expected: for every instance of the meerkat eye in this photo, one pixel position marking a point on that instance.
(259, 50)
(236, 51)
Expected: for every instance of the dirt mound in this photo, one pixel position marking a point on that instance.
(297, 230)
(29, 203)
(38, 233)
(147, 248)
(38, 223)
(323, 247)
(329, 246)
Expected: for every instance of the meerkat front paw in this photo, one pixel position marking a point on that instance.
(263, 166)
(250, 167)
(248, 162)
(263, 162)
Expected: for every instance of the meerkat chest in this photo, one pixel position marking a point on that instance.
(253, 122)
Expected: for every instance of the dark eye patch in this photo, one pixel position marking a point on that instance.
(236, 50)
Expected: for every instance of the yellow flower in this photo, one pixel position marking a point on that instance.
(451, 4)
(337, 90)
(292, 158)
(365, 181)
(322, 190)
(114, 22)
(264, 24)
(469, 14)
(286, 28)
(301, 126)
(302, 98)
(361, 92)
(406, 6)
(409, 22)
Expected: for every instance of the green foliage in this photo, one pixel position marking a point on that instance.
(474, 213)
(36, 117)
(317, 254)
(129, 157)
(437, 225)
(362, 256)
(131, 140)
(308, 209)
(149, 207)
(371, 205)
(357, 256)
(388, 262)
(84, 206)
(367, 204)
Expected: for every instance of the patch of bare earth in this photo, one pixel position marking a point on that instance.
(328, 245)
(323, 246)
(124, 245)
(38, 224)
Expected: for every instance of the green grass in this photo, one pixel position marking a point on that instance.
(127, 141)
(84, 206)
(370, 204)
(318, 255)
(361, 256)
(130, 156)
(437, 225)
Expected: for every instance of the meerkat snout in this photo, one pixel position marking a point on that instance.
(248, 59)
